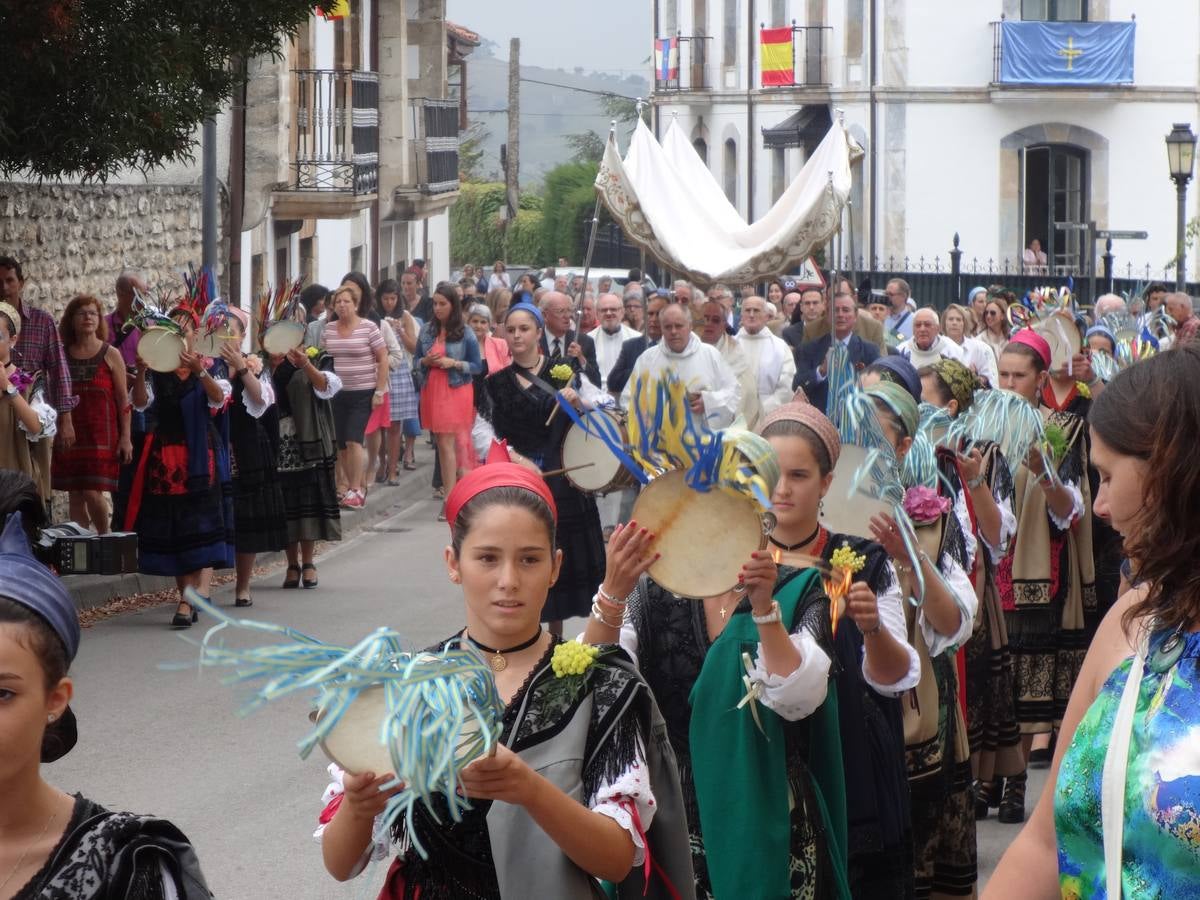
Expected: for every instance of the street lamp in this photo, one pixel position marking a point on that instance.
(1181, 154)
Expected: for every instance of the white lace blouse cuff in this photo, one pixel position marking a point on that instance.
(629, 801)
(891, 616)
(1076, 508)
(149, 395)
(381, 840)
(267, 388)
(47, 417)
(797, 695)
(966, 600)
(333, 384)
(226, 393)
(1008, 528)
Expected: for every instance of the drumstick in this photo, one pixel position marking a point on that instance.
(565, 471)
(550, 418)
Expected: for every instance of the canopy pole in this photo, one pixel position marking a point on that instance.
(591, 248)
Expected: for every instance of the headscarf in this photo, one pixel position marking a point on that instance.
(528, 308)
(1032, 339)
(499, 471)
(903, 369)
(1104, 332)
(960, 379)
(32, 585)
(899, 401)
(10, 311)
(802, 412)
(975, 292)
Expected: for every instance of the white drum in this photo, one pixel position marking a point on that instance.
(161, 348)
(590, 465)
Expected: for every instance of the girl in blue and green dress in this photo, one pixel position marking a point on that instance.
(1143, 432)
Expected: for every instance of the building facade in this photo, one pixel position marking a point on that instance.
(954, 143)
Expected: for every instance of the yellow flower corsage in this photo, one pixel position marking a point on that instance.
(844, 562)
(562, 373)
(313, 352)
(845, 558)
(573, 658)
(1083, 390)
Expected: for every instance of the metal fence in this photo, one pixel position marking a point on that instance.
(337, 131)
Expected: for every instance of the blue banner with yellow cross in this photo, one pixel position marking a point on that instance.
(1072, 53)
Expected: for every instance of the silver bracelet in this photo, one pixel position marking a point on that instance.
(609, 598)
(598, 615)
(769, 617)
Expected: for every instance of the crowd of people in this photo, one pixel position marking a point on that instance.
(871, 747)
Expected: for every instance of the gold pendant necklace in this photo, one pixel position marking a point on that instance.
(495, 657)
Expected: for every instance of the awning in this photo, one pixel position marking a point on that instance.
(803, 128)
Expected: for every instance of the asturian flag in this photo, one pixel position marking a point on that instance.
(666, 59)
(1066, 52)
(776, 56)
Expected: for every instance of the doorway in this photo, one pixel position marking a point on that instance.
(1054, 185)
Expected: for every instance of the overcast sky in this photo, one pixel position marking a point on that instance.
(612, 37)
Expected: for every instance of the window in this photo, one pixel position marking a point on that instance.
(729, 34)
(778, 173)
(701, 149)
(1055, 186)
(731, 171)
(1054, 10)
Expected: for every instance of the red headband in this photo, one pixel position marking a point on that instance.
(1032, 339)
(498, 472)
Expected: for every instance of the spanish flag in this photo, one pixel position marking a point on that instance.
(776, 56)
(340, 10)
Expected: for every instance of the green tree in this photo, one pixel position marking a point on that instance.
(586, 147)
(94, 86)
(470, 152)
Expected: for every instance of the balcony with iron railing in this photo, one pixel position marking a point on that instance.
(435, 145)
(808, 65)
(335, 170)
(690, 72)
(1049, 54)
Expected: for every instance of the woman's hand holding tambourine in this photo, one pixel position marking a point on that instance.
(502, 776)
(758, 576)
(886, 533)
(863, 607)
(364, 798)
(630, 553)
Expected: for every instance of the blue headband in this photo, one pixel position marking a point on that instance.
(975, 292)
(30, 584)
(529, 308)
(1102, 330)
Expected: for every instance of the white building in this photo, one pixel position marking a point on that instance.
(950, 148)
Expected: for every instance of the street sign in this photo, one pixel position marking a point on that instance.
(1123, 235)
(808, 275)
(1072, 226)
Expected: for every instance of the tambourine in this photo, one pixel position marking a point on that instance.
(280, 337)
(850, 507)
(161, 347)
(359, 743)
(1064, 339)
(209, 343)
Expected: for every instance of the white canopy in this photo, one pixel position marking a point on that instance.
(665, 199)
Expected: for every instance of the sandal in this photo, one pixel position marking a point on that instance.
(182, 619)
(288, 583)
(243, 601)
(310, 582)
(987, 797)
(410, 465)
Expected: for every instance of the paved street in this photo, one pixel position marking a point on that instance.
(169, 742)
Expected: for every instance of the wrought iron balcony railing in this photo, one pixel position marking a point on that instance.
(337, 131)
(435, 145)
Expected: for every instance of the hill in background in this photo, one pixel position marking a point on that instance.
(549, 112)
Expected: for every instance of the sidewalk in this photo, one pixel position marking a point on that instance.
(90, 591)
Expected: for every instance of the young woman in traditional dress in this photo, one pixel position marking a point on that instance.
(89, 467)
(935, 733)
(304, 383)
(992, 732)
(579, 788)
(28, 422)
(260, 521)
(522, 398)
(181, 499)
(1046, 581)
(53, 844)
(1121, 819)
(840, 762)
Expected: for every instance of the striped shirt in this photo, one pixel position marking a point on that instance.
(354, 356)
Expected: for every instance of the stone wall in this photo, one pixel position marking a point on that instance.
(73, 239)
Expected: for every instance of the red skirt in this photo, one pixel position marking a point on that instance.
(446, 409)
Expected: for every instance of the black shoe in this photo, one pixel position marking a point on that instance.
(288, 584)
(1040, 758)
(310, 582)
(184, 620)
(987, 796)
(1012, 804)
(243, 601)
